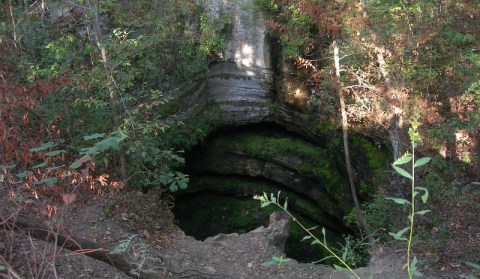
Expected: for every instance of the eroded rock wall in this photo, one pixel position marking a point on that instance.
(241, 83)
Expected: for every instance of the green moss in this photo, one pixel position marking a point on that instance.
(377, 157)
(268, 146)
(378, 160)
(241, 186)
(306, 157)
(325, 127)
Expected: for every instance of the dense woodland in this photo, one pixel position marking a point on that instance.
(88, 102)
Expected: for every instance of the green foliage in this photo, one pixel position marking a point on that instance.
(213, 30)
(276, 261)
(51, 174)
(379, 214)
(354, 251)
(377, 160)
(150, 45)
(294, 38)
(123, 246)
(89, 153)
(475, 266)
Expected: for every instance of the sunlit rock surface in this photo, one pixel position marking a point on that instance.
(241, 81)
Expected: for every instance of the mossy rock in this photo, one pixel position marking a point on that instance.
(245, 186)
(305, 157)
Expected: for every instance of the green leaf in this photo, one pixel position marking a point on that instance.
(421, 162)
(339, 268)
(425, 197)
(78, 163)
(55, 167)
(49, 181)
(123, 246)
(398, 235)
(2, 268)
(8, 167)
(43, 146)
(285, 205)
(422, 212)
(107, 143)
(94, 136)
(399, 201)
(265, 197)
(413, 268)
(312, 228)
(39, 165)
(403, 172)
(403, 160)
(474, 265)
(182, 184)
(75, 165)
(120, 135)
(266, 203)
(24, 174)
(272, 198)
(306, 237)
(425, 194)
(55, 152)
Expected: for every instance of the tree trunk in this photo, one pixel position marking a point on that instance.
(113, 97)
(358, 210)
(14, 24)
(395, 126)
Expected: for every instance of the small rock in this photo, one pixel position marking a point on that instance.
(210, 269)
(470, 187)
(146, 234)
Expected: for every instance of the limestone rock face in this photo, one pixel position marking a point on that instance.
(277, 230)
(275, 234)
(243, 85)
(241, 81)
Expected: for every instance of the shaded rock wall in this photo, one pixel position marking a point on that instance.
(288, 162)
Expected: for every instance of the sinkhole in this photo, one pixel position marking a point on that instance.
(232, 166)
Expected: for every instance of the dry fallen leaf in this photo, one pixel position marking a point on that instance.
(69, 198)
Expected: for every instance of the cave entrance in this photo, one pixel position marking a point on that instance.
(233, 165)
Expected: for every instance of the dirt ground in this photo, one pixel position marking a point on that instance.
(157, 244)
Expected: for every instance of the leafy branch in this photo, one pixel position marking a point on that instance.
(415, 190)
